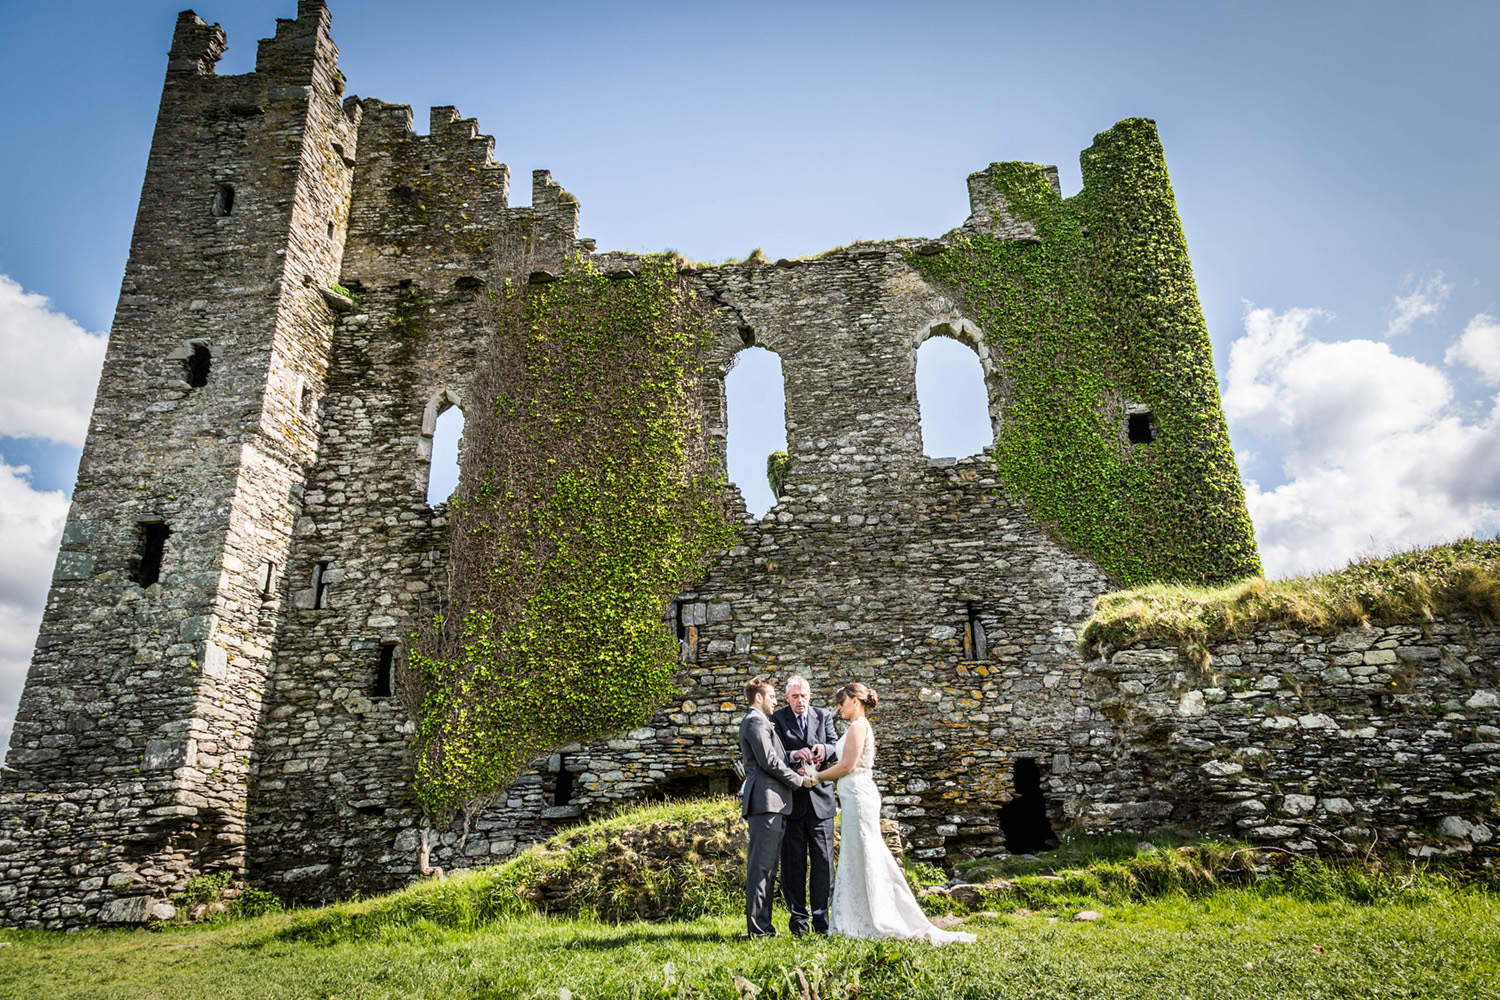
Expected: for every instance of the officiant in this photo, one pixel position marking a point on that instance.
(808, 735)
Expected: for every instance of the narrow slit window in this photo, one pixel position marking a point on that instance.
(1140, 429)
(267, 578)
(320, 586)
(975, 646)
(443, 469)
(305, 400)
(384, 669)
(223, 201)
(687, 633)
(196, 366)
(151, 546)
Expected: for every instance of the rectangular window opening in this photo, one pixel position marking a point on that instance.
(1140, 429)
(384, 670)
(151, 546)
(320, 589)
(267, 578)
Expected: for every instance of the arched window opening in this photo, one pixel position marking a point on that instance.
(223, 201)
(952, 399)
(442, 473)
(196, 365)
(755, 393)
(1023, 820)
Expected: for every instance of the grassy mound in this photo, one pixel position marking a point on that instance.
(668, 861)
(1458, 578)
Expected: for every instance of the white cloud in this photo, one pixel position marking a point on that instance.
(49, 366)
(1479, 348)
(1376, 457)
(31, 524)
(1426, 299)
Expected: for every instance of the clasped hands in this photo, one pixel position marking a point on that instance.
(810, 758)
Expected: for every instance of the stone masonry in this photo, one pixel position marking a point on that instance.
(250, 541)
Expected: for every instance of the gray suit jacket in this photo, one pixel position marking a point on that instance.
(769, 782)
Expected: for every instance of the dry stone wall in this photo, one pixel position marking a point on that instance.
(1387, 735)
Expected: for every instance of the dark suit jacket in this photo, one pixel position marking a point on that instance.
(820, 732)
(769, 779)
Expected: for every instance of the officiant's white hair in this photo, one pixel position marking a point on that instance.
(797, 680)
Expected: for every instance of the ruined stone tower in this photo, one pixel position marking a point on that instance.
(250, 546)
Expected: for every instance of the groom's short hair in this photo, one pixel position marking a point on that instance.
(757, 686)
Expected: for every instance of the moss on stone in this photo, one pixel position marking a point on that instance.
(1417, 586)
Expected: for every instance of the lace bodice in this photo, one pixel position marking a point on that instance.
(866, 762)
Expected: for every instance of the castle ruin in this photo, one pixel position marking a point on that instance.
(250, 546)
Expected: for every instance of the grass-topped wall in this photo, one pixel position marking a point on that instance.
(587, 499)
(1098, 314)
(1459, 578)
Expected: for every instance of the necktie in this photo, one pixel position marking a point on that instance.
(802, 723)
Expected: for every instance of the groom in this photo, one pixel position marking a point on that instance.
(767, 802)
(809, 737)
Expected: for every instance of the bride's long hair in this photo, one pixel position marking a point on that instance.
(859, 693)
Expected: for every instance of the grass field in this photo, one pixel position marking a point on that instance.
(1204, 919)
(1237, 943)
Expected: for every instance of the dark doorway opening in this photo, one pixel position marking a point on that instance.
(1023, 820)
(562, 793)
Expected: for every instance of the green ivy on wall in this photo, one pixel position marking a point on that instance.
(1099, 313)
(588, 498)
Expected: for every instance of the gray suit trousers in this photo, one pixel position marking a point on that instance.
(766, 831)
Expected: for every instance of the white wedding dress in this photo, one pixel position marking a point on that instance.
(870, 896)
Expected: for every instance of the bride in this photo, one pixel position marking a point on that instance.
(870, 896)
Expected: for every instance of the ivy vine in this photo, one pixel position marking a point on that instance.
(1100, 312)
(588, 498)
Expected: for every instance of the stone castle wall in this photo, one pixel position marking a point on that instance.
(1387, 735)
(230, 715)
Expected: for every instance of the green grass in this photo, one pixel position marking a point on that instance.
(1232, 944)
(1203, 919)
(1460, 577)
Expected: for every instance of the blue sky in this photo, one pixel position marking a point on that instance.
(1333, 164)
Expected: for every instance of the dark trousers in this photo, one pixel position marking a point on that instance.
(807, 837)
(767, 831)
